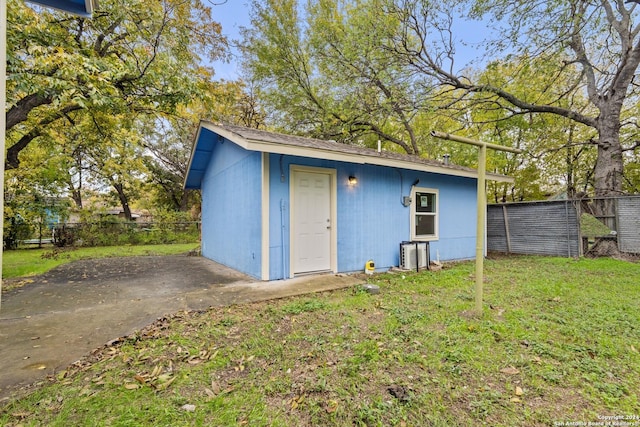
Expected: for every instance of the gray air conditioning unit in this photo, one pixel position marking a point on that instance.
(414, 255)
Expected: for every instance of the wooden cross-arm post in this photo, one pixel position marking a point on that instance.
(481, 203)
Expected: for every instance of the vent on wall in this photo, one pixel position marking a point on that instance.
(414, 255)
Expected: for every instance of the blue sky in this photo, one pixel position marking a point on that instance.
(234, 14)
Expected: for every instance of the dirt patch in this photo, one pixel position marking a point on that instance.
(608, 247)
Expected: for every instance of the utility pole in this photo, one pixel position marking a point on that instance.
(481, 203)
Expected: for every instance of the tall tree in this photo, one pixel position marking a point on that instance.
(134, 57)
(114, 155)
(168, 139)
(596, 45)
(168, 145)
(558, 151)
(327, 75)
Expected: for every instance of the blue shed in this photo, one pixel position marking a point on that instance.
(275, 206)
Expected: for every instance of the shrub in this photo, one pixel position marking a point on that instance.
(168, 227)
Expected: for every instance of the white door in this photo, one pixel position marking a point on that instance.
(311, 222)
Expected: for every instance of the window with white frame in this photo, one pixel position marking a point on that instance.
(424, 214)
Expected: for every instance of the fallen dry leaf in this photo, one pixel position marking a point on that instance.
(164, 381)
(519, 391)
(515, 400)
(156, 371)
(332, 406)
(296, 401)
(162, 385)
(510, 371)
(131, 386)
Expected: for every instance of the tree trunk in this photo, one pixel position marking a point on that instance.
(571, 188)
(76, 193)
(20, 111)
(184, 202)
(77, 198)
(12, 160)
(124, 201)
(609, 166)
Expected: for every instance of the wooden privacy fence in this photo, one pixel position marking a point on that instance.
(537, 228)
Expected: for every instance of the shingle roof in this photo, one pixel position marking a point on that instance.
(273, 142)
(279, 138)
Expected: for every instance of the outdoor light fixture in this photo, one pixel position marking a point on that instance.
(353, 180)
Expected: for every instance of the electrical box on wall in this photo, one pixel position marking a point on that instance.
(406, 201)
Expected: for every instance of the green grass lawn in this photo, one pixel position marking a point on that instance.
(30, 262)
(558, 342)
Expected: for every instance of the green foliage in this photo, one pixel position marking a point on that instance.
(632, 172)
(362, 71)
(590, 226)
(16, 230)
(328, 75)
(79, 91)
(130, 58)
(32, 205)
(110, 231)
(558, 151)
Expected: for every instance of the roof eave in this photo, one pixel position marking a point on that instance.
(275, 148)
(294, 150)
(193, 152)
(83, 8)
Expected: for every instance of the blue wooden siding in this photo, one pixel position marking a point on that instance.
(371, 218)
(231, 207)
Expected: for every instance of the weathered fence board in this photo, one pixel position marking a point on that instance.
(628, 219)
(540, 228)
